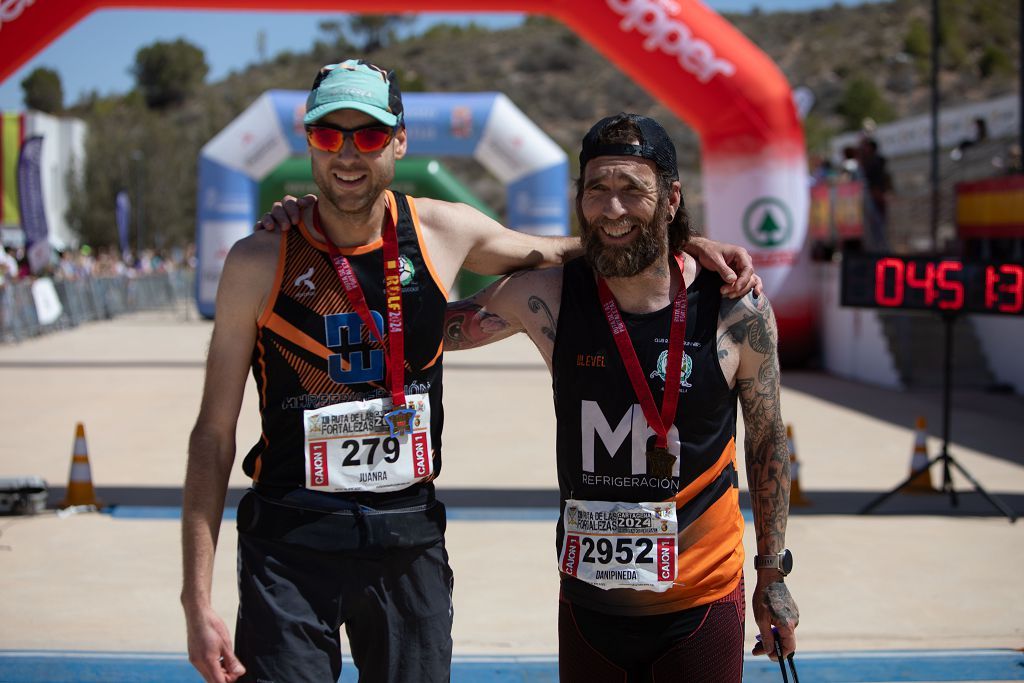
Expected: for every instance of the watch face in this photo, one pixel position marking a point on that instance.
(786, 562)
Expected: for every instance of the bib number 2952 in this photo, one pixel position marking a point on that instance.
(620, 545)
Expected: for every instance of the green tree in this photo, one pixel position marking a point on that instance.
(817, 134)
(150, 154)
(335, 46)
(918, 41)
(994, 60)
(860, 100)
(378, 29)
(167, 73)
(43, 91)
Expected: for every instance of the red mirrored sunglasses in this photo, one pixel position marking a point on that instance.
(366, 139)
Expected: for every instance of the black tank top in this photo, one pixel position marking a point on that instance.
(603, 437)
(296, 369)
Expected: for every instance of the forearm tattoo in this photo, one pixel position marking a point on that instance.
(537, 305)
(766, 447)
(467, 325)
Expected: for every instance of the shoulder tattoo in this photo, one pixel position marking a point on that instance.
(750, 322)
(538, 305)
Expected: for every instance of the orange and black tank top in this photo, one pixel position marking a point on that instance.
(302, 359)
(603, 437)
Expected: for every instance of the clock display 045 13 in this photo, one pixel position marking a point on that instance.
(932, 283)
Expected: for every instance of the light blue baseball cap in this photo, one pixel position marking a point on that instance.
(355, 84)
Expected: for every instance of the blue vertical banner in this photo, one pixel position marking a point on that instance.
(122, 215)
(30, 203)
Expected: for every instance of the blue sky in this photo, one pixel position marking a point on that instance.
(97, 53)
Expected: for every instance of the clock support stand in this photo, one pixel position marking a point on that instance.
(944, 457)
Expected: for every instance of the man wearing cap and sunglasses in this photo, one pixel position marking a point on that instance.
(648, 360)
(340, 322)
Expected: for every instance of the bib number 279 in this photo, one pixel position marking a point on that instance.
(354, 450)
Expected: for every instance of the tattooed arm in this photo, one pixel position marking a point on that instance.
(526, 301)
(747, 350)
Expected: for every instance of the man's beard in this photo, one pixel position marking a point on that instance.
(349, 204)
(633, 258)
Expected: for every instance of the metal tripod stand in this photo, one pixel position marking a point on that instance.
(944, 457)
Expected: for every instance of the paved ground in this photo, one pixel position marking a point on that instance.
(918, 574)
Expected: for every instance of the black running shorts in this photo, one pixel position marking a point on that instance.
(394, 602)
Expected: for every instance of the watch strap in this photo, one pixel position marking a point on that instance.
(768, 561)
(781, 562)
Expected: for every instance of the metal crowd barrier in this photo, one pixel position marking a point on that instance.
(88, 299)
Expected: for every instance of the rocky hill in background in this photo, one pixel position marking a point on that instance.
(868, 60)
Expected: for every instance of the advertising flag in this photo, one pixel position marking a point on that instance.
(30, 202)
(12, 131)
(122, 213)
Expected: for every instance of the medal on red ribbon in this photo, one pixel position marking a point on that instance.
(660, 461)
(402, 415)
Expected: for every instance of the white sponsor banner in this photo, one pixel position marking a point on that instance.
(512, 145)
(956, 124)
(253, 143)
(44, 295)
(217, 237)
(761, 203)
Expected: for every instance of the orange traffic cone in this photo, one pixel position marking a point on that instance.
(80, 491)
(921, 482)
(796, 496)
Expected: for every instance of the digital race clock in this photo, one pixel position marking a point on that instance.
(932, 284)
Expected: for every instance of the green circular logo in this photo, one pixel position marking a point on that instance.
(767, 222)
(406, 271)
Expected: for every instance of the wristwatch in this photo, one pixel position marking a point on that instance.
(783, 562)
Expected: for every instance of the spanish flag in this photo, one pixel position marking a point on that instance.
(991, 208)
(12, 134)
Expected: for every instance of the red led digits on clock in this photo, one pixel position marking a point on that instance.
(995, 287)
(925, 282)
(932, 283)
(955, 286)
(882, 297)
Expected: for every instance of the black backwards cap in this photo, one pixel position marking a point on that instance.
(655, 144)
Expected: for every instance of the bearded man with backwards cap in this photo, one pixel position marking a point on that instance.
(648, 360)
(340, 322)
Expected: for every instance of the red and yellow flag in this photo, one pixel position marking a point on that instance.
(991, 208)
(12, 134)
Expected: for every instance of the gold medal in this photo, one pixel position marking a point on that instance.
(659, 462)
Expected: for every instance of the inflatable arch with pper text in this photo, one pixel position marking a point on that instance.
(686, 55)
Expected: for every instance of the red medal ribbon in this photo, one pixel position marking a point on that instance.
(674, 365)
(393, 300)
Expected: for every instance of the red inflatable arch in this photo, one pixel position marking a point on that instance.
(699, 65)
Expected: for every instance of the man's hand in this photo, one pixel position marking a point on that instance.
(774, 606)
(209, 648)
(727, 260)
(285, 213)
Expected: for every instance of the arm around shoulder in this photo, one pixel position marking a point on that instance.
(525, 301)
(484, 246)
